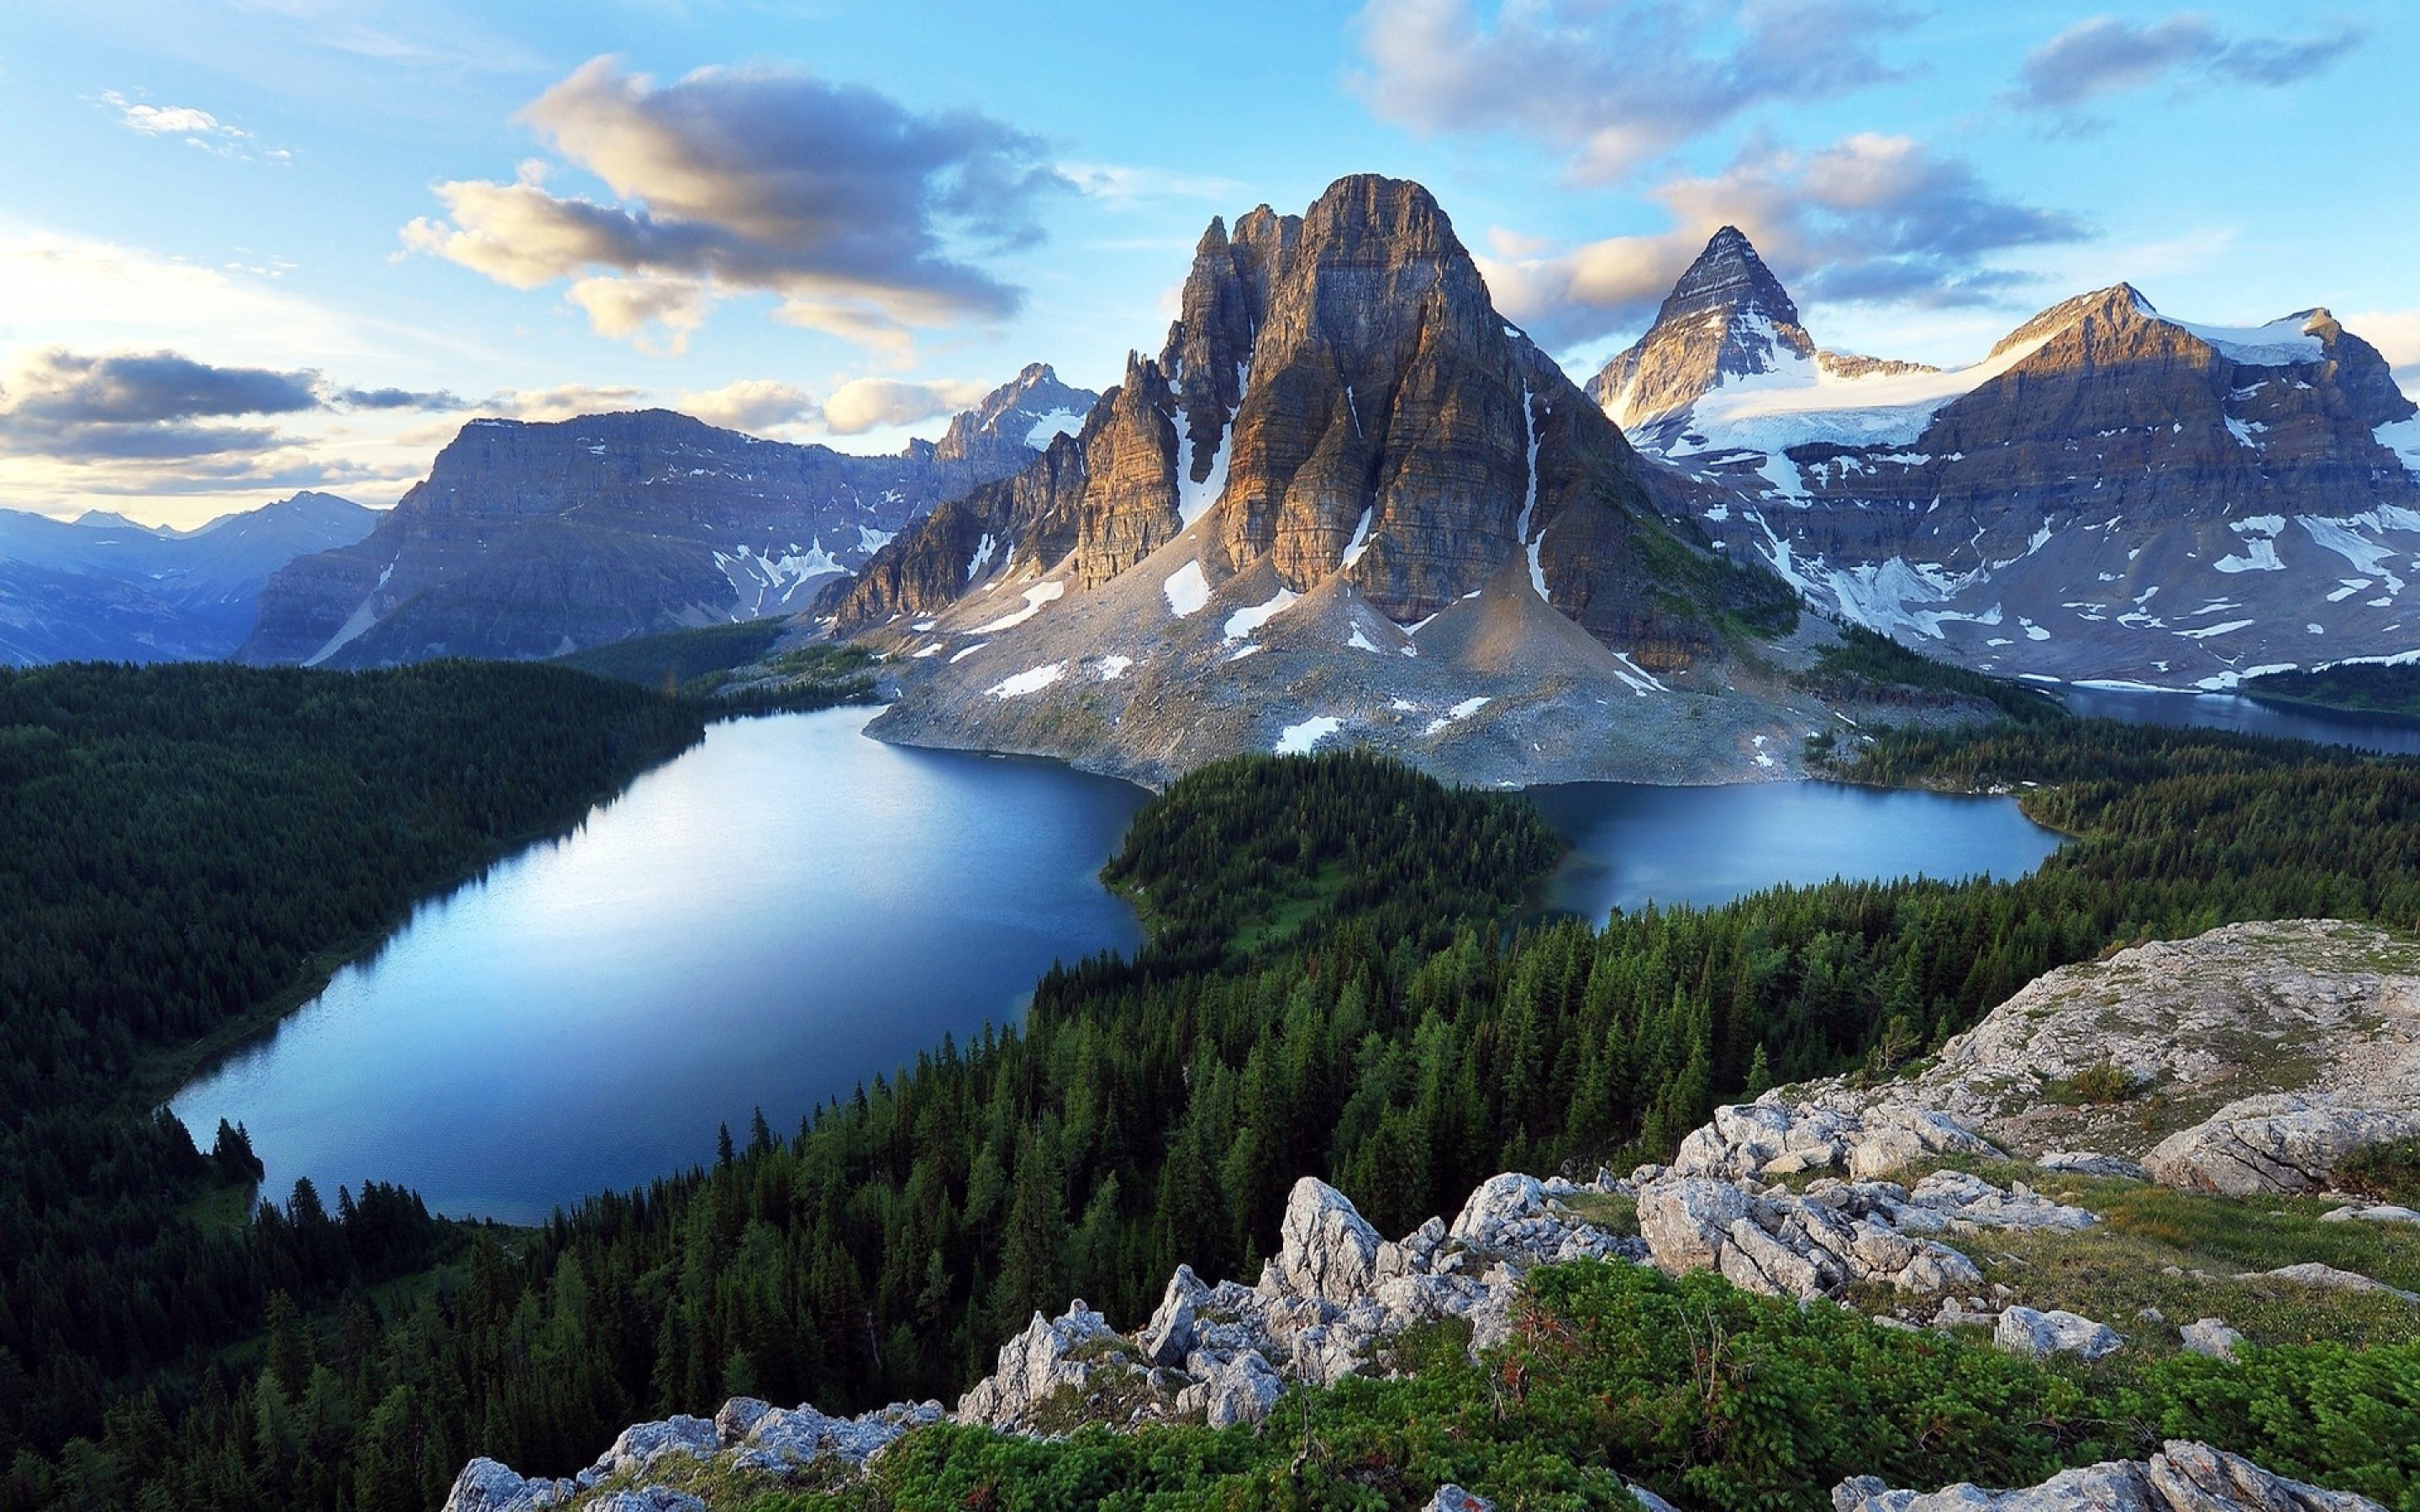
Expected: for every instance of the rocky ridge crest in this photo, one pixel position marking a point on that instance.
(2111, 494)
(531, 539)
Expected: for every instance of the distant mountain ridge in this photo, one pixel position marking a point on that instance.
(1346, 502)
(529, 540)
(103, 588)
(2110, 495)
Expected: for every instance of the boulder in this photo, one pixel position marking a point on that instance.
(2093, 1162)
(2325, 1278)
(2041, 1334)
(737, 1416)
(2182, 1478)
(1241, 1391)
(2210, 1336)
(1325, 1248)
(1453, 1497)
(1687, 1221)
(1169, 1337)
(2371, 1214)
(2276, 1143)
(486, 1485)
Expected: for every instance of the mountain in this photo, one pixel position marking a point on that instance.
(531, 539)
(105, 587)
(2111, 494)
(1346, 500)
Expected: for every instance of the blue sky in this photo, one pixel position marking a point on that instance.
(350, 226)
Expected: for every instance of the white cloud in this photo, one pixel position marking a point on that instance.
(2395, 333)
(2107, 55)
(755, 404)
(565, 401)
(1869, 217)
(1613, 84)
(864, 404)
(864, 218)
(194, 125)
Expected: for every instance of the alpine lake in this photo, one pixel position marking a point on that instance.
(791, 908)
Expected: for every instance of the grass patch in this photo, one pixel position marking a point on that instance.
(2120, 1266)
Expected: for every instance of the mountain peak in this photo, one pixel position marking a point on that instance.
(1726, 319)
(1731, 277)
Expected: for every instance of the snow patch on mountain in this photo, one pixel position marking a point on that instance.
(1301, 739)
(1241, 624)
(1032, 680)
(1035, 596)
(1187, 590)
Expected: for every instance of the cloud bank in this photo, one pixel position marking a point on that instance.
(1869, 217)
(2106, 56)
(1613, 84)
(856, 212)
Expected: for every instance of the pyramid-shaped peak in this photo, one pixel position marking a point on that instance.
(1730, 278)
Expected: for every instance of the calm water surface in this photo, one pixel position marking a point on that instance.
(2231, 711)
(786, 910)
(791, 908)
(1704, 845)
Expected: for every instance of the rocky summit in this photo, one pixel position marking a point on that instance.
(1346, 500)
(534, 539)
(2111, 494)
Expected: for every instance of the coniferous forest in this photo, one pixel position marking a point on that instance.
(1333, 986)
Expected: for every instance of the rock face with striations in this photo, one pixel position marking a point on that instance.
(2110, 493)
(1341, 444)
(530, 540)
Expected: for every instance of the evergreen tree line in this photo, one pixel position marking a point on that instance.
(1330, 989)
(180, 848)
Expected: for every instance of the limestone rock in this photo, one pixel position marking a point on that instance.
(1034, 1367)
(1686, 1222)
(2327, 1278)
(485, 1486)
(2277, 1142)
(2182, 1478)
(2091, 1163)
(642, 1445)
(1325, 1248)
(2210, 1336)
(2029, 1331)
(2280, 1046)
(2194, 1478)
(1169, 1337)
(1241, 1391)
(647, 1499)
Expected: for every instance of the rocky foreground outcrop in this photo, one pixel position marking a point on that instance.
(2182, 1478)
(2254, 1058)
(1805, 1194)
